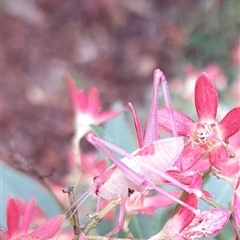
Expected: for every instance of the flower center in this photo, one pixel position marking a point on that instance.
(206, 135)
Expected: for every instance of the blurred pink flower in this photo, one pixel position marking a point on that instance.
(91, 167)
(38, 218)
(18, 223)
(235, 93)
(206, 135)
(186, 84)
(87, 112)
(87, 107)
(236, 54)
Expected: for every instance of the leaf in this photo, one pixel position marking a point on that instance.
(151, 224)
(226, 233)
(15, 183)
(119, 132)
(220, 189)
(135, 228)
(98, 130)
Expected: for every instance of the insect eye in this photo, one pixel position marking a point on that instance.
(95, 178)
(97, 192)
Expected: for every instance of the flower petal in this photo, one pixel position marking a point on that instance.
(231, 168)
(4, 235)
(218, 156)
(93, 102)
(160, 200)
(49, 229)
(105, 116)
(78, 96)
(82, 101)
(72, 89)
(201, 166)
(189, 157)
(27, 217)
(206, 98)
(185, 177)
(182, 122)
(175, 225)
(185, 216)
(146, 211)
(230, 124)
(236, 204)
(209, 222)
(13, 217)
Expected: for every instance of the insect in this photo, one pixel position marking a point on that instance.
(141, 170)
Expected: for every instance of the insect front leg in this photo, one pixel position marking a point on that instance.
(95, 214)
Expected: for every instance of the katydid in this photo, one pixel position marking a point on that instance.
(141, 170)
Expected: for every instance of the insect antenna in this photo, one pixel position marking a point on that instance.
(77, 204)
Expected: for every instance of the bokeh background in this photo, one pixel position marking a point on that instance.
(112, 45)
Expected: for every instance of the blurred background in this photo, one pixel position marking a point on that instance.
(112, 45)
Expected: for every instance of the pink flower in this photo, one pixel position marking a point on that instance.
(38, 217)
(18, 224)
(90, 167)
(236, 203)
(232, 167)
(87, 107)
(185, 225)
(236, 54)
(206, 135)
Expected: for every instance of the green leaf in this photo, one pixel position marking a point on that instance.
(17, 184)
(226, 233)
(119, 131)
(220, 189)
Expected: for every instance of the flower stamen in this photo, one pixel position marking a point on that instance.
(206, 135)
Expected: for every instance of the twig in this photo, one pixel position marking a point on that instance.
(106, 238)
(76, 225)
(94, 222)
